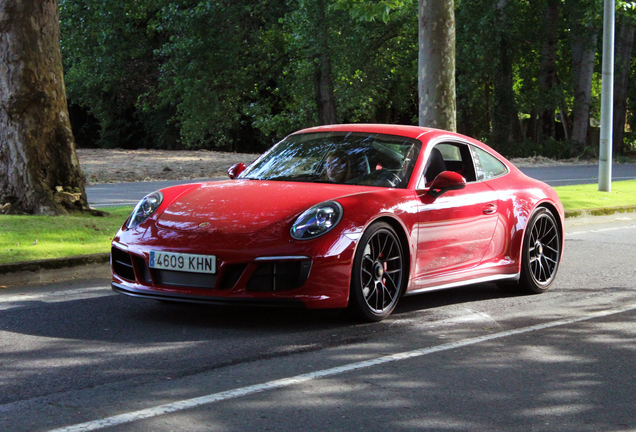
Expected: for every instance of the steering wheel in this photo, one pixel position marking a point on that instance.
(384, 178)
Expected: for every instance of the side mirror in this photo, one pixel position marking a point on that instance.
(446, 181)
(236, 169)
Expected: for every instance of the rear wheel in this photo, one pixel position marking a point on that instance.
(541, 252)
(378, 273)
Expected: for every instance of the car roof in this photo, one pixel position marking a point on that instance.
(389, 129)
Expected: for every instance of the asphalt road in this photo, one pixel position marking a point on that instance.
(115, 194)
(466, 359)
(120, 194)
(578, 174)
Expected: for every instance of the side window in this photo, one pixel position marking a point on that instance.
(454, 157)
(486, 165)
(450, 152)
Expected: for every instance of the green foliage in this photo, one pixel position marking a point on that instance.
(374, 69)
(234, 75)
(627, 8)
(366, 10)
(240, 75)
(550, 148)
(630, 138)
(202, 73)
(109, 65)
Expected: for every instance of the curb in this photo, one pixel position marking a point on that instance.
(601, 211)
(55, 270)
(55, 263)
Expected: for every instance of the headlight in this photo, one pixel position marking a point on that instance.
(317, 220)
(145, 209)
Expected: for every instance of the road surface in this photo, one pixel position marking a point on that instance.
(467, 359)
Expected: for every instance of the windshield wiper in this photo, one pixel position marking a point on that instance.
(298, 177)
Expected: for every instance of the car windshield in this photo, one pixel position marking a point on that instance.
(339, 157)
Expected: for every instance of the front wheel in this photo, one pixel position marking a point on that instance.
(378, 274)
(541, 252)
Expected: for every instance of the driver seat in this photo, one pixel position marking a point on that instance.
(435, 166)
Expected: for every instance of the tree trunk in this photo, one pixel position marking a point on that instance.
(325, 99)
(39, 169)
(623, 58)
(506, 129)
(436, 61)
(583, 43)
(548, 67)
(531, 129)
(324, 91)
(565, 121)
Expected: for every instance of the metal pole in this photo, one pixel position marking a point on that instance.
(607, 100)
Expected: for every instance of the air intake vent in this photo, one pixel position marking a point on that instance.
(122, 264)
(279, 275)
(231, 275)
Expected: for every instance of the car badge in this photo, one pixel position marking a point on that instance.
(204, 224)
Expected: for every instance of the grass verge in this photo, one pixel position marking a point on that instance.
(585, 197)
(28, 238)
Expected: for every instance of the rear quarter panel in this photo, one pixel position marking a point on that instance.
(519, 196)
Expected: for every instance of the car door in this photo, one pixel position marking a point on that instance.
(456, 228)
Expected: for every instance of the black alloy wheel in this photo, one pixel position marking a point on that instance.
(541, 252)
(378, 275)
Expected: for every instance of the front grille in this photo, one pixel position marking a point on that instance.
(184, 279)
(122, 264)
(279, 276)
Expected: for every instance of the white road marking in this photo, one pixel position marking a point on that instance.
(590, 179)
(299, 379)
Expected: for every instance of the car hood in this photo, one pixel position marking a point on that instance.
(244, 206)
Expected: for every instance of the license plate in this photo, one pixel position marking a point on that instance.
(183, 262)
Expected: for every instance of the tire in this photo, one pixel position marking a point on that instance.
(541, 252)
(378, 273)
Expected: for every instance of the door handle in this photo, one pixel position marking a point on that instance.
(490, 209)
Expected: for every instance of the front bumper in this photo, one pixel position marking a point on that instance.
(318, 280)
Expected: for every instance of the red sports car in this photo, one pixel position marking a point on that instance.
(344, 216)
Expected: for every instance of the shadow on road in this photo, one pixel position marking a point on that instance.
(130, 319)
